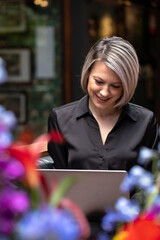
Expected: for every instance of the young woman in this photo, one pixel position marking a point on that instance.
(103, 130)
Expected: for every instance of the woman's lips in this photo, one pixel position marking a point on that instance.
(102, 99)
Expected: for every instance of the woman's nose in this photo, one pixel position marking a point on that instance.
(104, 91)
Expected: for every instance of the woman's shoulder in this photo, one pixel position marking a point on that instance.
(67, 114)
(64, 110)
(140, 108)
(72, 107)
(139, 112)
(63, 114)
(66, 107)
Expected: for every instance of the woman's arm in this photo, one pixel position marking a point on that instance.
(152, 134)
(58, 152)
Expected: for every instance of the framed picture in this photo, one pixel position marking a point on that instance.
(12, 16)
(18, 64)
(17, 103)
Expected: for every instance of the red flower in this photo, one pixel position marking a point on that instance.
(141, 229)
(57, 137)
(28, 155)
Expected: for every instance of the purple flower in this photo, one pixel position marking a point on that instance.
(48, 223)
(154, 209)
(4, 237)
(19, 202)
(6, 225)
(12, 169)
(13, 201)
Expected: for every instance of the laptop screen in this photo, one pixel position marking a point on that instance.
(92, 190)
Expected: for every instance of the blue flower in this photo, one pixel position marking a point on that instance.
(136, 172)
(7, 122)
(146, 181)
(109, 221)
(131, 180)
(103, 236)
(6, 139)
(145, 155)
(128, 209)
(48, 223)
(137, 177)
(128, 183)
(3, 72)
(7, 119)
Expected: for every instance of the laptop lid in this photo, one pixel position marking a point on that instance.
(93, 190)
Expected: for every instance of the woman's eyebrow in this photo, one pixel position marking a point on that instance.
(102, 79)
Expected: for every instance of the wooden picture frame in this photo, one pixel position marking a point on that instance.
(15, 102)
(18, 65)
(12, 16)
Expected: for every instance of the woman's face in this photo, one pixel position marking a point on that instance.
(104, 87)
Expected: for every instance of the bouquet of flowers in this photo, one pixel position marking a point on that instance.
(139, 217)
(23, 213)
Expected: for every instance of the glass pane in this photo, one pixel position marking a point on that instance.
(30, 44)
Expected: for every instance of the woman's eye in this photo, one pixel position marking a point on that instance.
(115, 86)
(98, 82)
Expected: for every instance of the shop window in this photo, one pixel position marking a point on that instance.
(31, 45)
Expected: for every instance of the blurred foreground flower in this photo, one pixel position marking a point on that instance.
(48, 223)
(141, 228)
(137, 218)
(23, 214)
(3, 72)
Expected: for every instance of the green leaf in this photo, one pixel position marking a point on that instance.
(155, 165)
(61, 190)
(151, 197)
(33, 197)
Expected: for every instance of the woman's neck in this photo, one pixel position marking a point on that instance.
(101, 113)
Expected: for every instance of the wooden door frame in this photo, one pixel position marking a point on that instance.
(67, 51)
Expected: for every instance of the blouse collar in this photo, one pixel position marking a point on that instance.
(83, 108)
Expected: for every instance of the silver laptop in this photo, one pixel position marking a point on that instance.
(93, 190)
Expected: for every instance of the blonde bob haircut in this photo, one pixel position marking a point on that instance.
(120, 56)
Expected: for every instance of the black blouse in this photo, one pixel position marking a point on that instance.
(83, 149)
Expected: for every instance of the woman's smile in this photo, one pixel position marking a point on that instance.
(102, 100)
